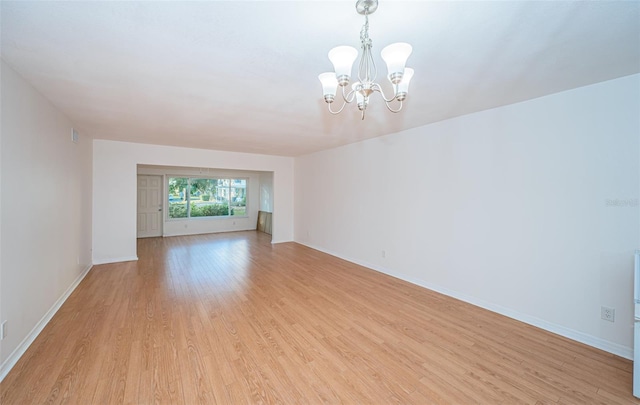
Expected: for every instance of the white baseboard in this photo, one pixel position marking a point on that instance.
(593, 341)
(13, 358)
(115, 260)
(275, 242)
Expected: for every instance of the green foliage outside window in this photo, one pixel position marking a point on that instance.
(213, 210)
(206, 197)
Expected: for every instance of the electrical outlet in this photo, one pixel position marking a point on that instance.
(3, 330)
(608, 314)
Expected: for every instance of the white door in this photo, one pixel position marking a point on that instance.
(149, 206)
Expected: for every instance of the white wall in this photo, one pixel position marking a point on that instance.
(173, 227)
(114, 195)
(45, 213)
(529, 209)
(266, 192)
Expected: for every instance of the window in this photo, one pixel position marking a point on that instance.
(195, 197)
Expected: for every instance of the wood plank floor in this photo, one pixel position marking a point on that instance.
(231, 319)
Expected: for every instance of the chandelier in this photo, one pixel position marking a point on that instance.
(342, 57)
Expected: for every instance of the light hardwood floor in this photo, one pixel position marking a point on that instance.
(229, 318)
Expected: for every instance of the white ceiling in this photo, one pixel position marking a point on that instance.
(242, 75)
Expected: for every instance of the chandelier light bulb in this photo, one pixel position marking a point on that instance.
(342, 58)
(362, 98)
(329, 86)
(395, 56)
(403, 86)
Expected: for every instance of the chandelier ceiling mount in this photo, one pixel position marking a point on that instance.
(366, 6)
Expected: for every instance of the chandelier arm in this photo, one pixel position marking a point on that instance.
(336, 112)
(391, 109)
(348, 97)
(376, 87)
(346, 100)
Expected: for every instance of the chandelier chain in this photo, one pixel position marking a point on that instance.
(364, 32)
(367, 64)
